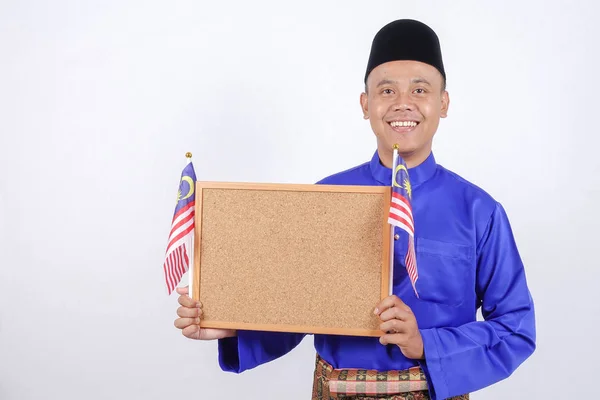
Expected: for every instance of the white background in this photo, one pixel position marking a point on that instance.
(100, 100)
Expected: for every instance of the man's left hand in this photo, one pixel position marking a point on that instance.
(400, 326)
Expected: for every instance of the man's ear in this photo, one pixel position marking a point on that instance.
(445, 104)
(364, 105)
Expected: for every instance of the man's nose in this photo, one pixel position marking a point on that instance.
(403, 103)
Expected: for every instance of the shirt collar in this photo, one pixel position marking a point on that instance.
(418, 174)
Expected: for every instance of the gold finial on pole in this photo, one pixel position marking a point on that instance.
(188, 155)
(396, 147)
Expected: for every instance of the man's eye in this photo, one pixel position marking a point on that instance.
(419, 91)
(387, 91)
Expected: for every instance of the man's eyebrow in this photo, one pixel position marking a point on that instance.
(386, 82)
(413, 81)
(421, 80)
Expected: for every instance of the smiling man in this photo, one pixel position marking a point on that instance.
(405, 90)
(433, 346)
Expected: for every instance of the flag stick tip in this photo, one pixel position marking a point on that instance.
(396, 146)
(188, 155)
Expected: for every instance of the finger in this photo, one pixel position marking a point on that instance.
(188, 302)
(183, 290)
(192, 332)
(182, 323)
(188, 312)
(394, 326)
(389, 302)
(384, 305)
(392, 338)
(396, 313)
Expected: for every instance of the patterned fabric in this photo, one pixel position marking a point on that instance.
(331, 384)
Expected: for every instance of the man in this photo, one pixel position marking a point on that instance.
(467, 257)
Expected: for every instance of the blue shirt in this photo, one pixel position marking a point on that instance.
(466, 258)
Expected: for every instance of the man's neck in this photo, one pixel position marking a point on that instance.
(411, 159)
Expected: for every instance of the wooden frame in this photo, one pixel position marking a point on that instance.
(216, 213)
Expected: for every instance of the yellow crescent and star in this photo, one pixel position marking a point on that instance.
(190, 183)
(406, 182)
(190, 192)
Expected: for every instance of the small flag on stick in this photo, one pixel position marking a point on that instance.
(401, 214)
(181, 238)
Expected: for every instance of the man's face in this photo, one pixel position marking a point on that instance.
(404, 103)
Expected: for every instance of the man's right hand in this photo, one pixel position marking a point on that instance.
(190, 314)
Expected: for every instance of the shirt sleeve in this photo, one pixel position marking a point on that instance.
(250, 349)
(467, 358)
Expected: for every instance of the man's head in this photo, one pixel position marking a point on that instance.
(405, 90)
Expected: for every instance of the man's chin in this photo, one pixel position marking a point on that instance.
(405, 147)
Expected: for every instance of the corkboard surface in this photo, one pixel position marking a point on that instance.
(296, 258)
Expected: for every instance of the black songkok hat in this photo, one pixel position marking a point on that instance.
(406, 39)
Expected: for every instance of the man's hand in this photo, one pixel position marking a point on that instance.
(190, 314)
(400, 326)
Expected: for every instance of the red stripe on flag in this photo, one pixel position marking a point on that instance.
(182, 222)
(183, 210)
(400, 219)
(402, 199)
(168, 274)
(187, 260)
(411, 264)
(165, 268)
(172, 269)
(176, 262)
(180, 265)
(175, 266)
(180, 235)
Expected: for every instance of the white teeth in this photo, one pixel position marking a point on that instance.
(396, 124)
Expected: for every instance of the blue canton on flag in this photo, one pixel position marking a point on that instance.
(177, 257)
(402, 217)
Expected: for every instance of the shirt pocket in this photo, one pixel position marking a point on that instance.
(446, 271)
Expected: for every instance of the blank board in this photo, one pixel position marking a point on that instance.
(291, 258)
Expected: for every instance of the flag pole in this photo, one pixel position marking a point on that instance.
(190, 244)
(392, 239)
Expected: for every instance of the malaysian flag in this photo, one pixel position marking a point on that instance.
(402, 217)
(179, 249)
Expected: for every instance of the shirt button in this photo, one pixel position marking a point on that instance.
(396, 236)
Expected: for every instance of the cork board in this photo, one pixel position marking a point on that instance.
(291, 258)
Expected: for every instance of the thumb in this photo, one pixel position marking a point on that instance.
(182, 290)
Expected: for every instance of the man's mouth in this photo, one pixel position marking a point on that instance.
(403, 126)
